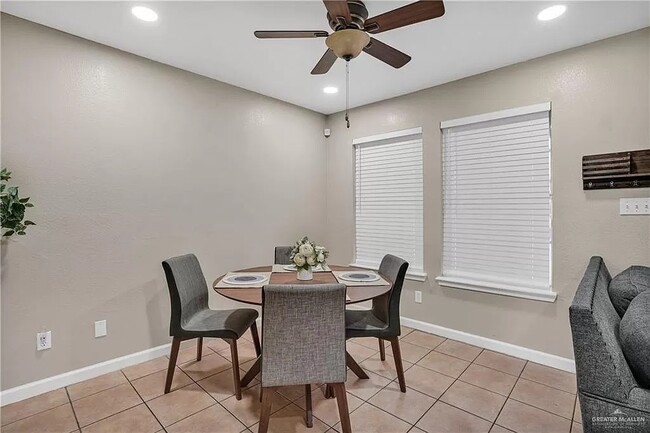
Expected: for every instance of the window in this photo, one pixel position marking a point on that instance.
(388, 199)
(497, 203)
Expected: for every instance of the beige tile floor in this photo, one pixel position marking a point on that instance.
(452, 387)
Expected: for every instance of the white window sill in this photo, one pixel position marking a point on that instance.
(499, 289)
(415, 276)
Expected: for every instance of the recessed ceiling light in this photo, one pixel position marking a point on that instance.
(144, 13)
(551, 13)
(330, 89)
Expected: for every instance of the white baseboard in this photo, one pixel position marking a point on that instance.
(543, 358)
(22, 392)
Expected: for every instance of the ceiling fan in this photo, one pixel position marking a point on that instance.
(351, 25)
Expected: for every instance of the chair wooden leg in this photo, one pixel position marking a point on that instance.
(342, 402)
(199, 348)
(382, 350)
(173, 356)
(308, 410)
(256, 339)
(397, 355)
(252, 372)
(356, 368)
(234, 357)
(265, 412)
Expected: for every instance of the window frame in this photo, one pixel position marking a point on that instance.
(403, 133)
(546, 295)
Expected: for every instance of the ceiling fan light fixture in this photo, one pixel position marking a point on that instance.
(347, 44)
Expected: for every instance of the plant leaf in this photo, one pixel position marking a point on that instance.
(8, 233)
(29, 223)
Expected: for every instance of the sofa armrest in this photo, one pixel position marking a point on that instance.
(601, 368)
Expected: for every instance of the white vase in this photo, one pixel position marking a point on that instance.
(305, 274)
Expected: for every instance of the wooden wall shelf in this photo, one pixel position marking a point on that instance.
(616, 170)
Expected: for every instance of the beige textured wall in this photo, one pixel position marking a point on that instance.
(600, 97)
(129, 162)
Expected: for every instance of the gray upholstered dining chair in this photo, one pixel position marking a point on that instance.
(282, 255)
(303, 329)
(382, 321)
(192, 318)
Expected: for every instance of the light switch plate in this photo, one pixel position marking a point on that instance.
(418, 297)
(635, 206)
(100, 328)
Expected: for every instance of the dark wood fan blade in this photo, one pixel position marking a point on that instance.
(386, 53)
(338, 8)
(277, 34)
(325, 63)
(406, 15)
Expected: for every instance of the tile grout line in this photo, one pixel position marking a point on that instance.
(540, 408)
(357, 408)
(454, 381)
(145, 403)
(185, 417)
(194, 382)
(573, 413)
(36, 413)
(508, 397)
(446, 389)
(210, 395)
(74, 413)
(302, 410)
(95, 393)
(118, 412)
(395, 415)
(480, 365)
(217, 402)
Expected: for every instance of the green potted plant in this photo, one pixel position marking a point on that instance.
(12, 207)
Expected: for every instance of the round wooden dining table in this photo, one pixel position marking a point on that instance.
(253, 296)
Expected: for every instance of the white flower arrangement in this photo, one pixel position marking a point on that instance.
(306, 254)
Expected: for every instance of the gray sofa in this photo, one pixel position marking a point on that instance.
(610, 398)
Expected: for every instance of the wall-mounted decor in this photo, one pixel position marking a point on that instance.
(616, 170)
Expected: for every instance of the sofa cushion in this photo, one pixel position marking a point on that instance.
(627, 285)
(634, 333)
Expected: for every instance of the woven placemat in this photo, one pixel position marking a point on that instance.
(223, 285)
(379, 282)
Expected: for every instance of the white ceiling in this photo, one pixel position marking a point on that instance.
(216, 39)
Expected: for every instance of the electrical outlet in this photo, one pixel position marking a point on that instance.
(44, 340)
(635, 206)
(418, 297)
(100, 328)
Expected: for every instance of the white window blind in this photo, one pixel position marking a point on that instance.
(497, 203)
(388, 199)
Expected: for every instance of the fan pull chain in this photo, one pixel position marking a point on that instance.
(347, 93)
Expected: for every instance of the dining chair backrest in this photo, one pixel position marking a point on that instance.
(303, 330)
(188, 290)
(282, 255)
(386, 307)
